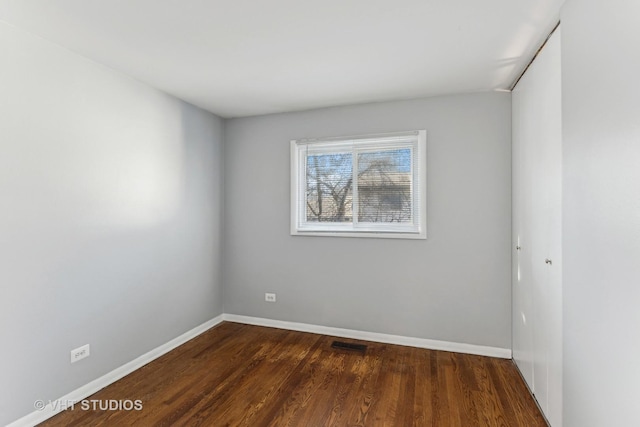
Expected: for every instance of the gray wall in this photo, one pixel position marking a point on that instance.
(601, 202)
(454, 286)
(110, 219)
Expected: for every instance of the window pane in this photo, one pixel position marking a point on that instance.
(384, 186)
(329, 185)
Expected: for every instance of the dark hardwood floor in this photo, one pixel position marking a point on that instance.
(241, 375)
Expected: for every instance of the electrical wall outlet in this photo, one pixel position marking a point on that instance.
(270, 297)
(80, 353)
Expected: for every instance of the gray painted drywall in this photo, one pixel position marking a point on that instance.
(454, 286)
(110, 220)
(601, 212)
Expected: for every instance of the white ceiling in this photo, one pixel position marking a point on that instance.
(248, 57)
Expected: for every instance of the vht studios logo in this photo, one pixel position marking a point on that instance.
(90, 405)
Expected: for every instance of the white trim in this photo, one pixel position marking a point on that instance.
(481, 350)
(362, 138)
(416, 141)
(380, 235)
(37, 417)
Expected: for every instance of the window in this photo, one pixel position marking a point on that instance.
(364, 186)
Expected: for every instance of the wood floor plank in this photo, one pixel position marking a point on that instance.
(464, 384)
(422, 403)
(361, 406)
(240, 375)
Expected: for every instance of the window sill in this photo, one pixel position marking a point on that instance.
(365, 234)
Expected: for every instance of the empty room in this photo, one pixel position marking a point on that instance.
(339, 213)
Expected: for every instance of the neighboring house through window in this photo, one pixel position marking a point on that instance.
(363, 186)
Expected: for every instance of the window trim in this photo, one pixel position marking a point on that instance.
(374, 142)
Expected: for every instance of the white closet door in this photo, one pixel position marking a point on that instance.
(537, 285)
(551, 176)
(522, 288)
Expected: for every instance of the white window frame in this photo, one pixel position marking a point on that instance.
(415, 140)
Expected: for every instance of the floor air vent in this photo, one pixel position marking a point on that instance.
(349, 346)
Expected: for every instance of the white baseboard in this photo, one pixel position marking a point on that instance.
(96, 385)
(503, 353)
(87, 390)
